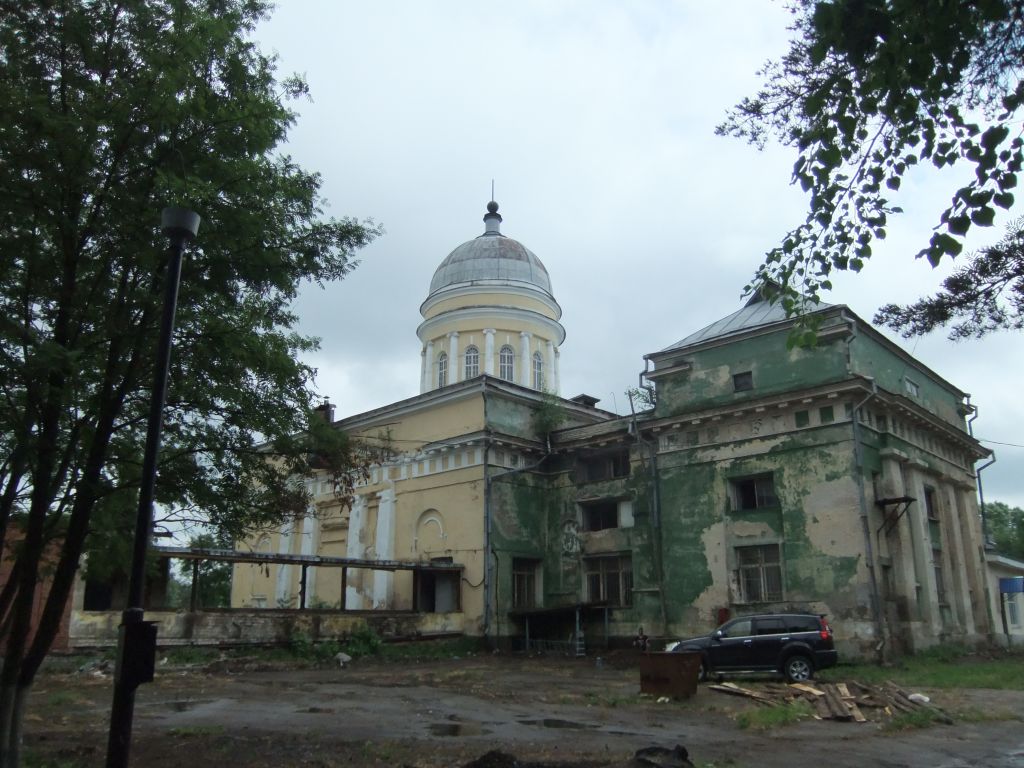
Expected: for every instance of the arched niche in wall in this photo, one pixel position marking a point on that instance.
(430, 537)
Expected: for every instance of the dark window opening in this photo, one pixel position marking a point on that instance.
(436, 592)
(826, 414)
(524, 582)
(742, 382)
(600, 515)
(754, 493)
(606, 466)
(930, 505)
(803, 418)
(610, 579)
(760, 573)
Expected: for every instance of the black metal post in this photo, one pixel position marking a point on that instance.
(137, 639)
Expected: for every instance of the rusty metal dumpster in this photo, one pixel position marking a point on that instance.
(669, 674)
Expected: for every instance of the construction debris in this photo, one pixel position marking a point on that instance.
(844, 702)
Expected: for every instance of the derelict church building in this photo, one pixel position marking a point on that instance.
(837, 479)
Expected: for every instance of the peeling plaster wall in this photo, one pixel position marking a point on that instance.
(90, 629)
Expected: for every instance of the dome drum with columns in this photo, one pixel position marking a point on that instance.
(491, 311)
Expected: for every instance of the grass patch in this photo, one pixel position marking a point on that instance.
(948, 666)
(35, 760)
(197, 730)
(190, 654)
(430, 650)
(62, 699)
(908, 721)
(767, 718)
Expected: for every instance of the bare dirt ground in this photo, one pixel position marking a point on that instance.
(446, 713)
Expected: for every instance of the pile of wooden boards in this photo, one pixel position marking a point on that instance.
(845, 702)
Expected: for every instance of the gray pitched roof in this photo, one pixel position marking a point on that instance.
(757, 312)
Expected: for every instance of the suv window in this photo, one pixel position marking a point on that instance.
(739, 628)
(774, 626)
(803, 623)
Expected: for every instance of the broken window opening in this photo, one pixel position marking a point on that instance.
(743, 382)
(605, 514)
(759, 572)
(526, 581)
(753, 493)
(605, 466)
(609, 579)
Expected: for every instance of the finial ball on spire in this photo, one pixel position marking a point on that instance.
(492, 207)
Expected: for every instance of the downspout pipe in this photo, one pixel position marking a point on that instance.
(858, 452)
(987, 544)
(655, 510)
(487, 523)
(985, 538)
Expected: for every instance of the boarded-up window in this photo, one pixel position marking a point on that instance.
(760, 573)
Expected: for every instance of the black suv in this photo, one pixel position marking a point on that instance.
(795, 644)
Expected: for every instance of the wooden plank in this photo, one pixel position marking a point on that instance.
(836, 705)
(844, 692)
(735, 690)
(807, 689)
(858, 716)
(821, 708)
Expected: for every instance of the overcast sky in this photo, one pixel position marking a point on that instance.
(596, 121)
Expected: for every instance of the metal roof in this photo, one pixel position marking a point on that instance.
(757, 312)
(489, 257)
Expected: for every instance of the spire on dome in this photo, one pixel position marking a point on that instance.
(492, 219)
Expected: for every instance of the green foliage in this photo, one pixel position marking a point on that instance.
(921, 717)
(1006, 527)
(361, 641)
(946, 667)
(870, 89)
(641, 398)
(113, 111)
(214, 577)
(984, 296)
(767, 718)
(549, 415)
(428, 650)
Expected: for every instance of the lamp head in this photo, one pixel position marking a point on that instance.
(179, 224)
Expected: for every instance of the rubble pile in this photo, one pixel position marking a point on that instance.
(845, 702)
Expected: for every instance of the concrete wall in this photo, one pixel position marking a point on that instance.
(237, 627)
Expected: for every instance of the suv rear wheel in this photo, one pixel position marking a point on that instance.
(798, 669)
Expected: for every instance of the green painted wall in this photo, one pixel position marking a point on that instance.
(775, 369)
(869, 357)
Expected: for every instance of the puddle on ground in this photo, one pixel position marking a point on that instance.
(554, 722)
(457, 729)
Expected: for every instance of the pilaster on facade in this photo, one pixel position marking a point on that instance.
(552, 376)
(283, 587)
(354, 548)
(454, 369)
(428, 374)
(524, 359)
(424, 367)
(309, 546)
(489, 351)
(384, 547)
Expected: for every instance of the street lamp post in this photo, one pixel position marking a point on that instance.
(136, 651)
